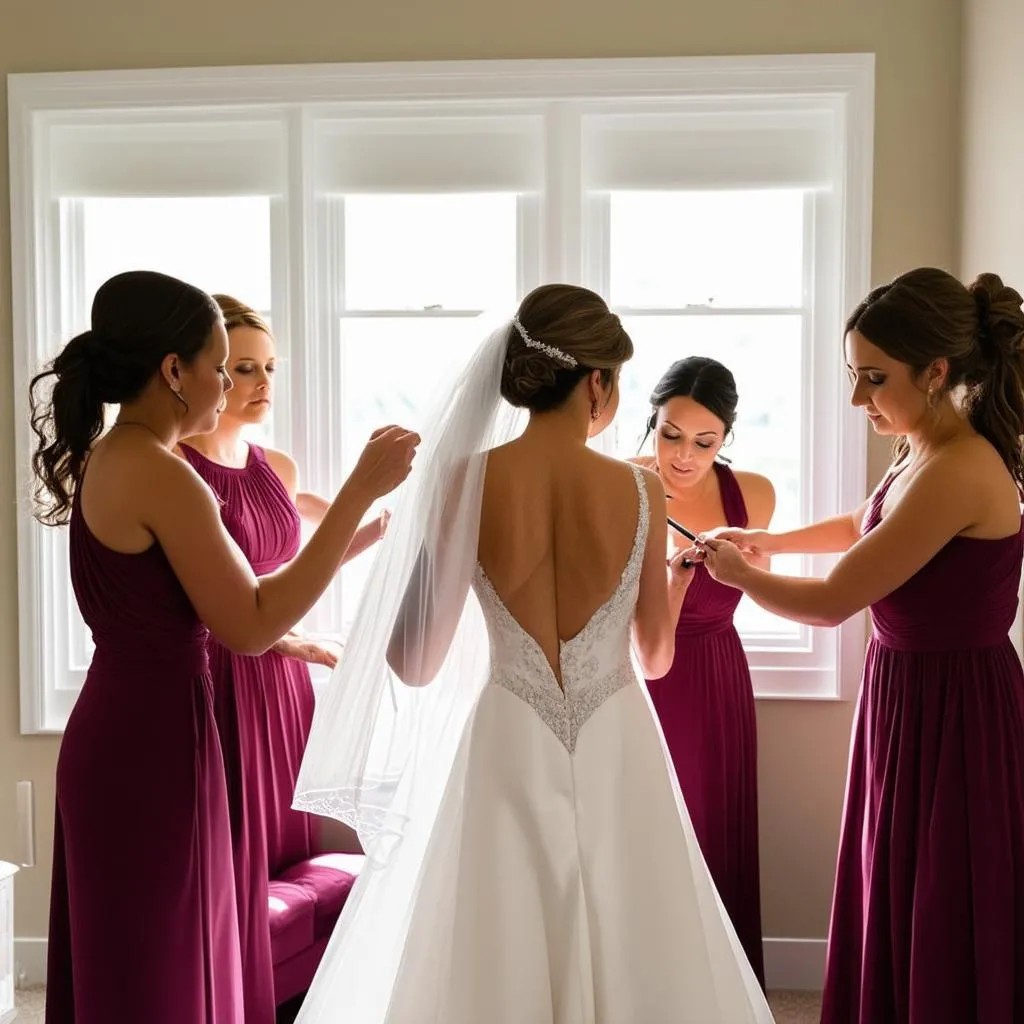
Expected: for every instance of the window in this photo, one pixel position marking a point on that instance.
(711, 228)
(418, 270)
(721, 274)
(721, 206)
(221, 243)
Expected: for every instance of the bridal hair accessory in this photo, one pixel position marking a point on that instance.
(548, 350)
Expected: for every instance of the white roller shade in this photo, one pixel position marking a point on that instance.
(168, 159)
(430, 154)
(710, 149)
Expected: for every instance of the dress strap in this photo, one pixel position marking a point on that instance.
(873, 516)
(644, 514)
(732, 497)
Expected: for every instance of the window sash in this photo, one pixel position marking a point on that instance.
(412, 155)
(810, 659)
(121, 157)
(716, 148)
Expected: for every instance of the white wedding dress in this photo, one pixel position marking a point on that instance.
(561, 882)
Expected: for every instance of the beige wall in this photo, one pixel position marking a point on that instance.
(992, 208)
(993, 140)
(804, 746)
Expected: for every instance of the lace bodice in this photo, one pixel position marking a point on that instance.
(595, 663)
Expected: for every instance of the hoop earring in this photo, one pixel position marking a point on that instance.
(724, 459)
(176, 391)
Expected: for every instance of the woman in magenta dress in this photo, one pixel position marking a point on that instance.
(143, 924)
(264, 705)
(928, 915)
(706, 702)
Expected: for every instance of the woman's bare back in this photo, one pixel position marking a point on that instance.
(557, 529)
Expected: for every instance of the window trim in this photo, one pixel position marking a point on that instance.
(297, 96)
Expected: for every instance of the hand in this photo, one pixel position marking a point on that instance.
(313, 652)
(386, 460)
(754, 543)
(725, 562)
(682, 564)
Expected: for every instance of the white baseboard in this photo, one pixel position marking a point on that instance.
(789, 964)
(29, 962)
(796, 965)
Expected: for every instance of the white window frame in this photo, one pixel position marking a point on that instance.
(298, 100)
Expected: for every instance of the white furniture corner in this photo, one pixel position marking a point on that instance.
(7, 1010)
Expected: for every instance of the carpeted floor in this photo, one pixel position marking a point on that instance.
(789, 1007)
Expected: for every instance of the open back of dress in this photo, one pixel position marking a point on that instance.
(561, 882)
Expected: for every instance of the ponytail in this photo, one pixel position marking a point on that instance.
(138, 319)
(995, 397)
(66, 421)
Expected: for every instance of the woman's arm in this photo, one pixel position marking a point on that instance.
(312, 508)
(759, 497)
(434, 596)
(829, 536)
(937, 505)
(662, 592)
(245, 613)
(367, 535)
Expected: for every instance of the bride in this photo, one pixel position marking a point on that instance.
(529, 856)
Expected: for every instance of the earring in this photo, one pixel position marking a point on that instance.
(176, 391)
(594, 410)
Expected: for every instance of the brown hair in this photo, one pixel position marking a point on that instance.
(573, 320)
(238, 314)
(927, 314)
(138, 319)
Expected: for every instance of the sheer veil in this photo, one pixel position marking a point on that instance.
(386, 733)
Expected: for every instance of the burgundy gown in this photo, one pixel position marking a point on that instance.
(706, 708)
(142, 915)
(928, 916)
(264, 710)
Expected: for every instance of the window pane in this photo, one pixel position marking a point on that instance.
(392, 370)
(431, 251)
(220, 244)
(764, 354)
(726, 249)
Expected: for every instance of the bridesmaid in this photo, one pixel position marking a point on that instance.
(264, 704)
(928, 915)
(706, 702)
(142, 911)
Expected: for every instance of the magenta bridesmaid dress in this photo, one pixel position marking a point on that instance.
(142, 911)
(264, 709)
(928, 915)
(706, 708)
